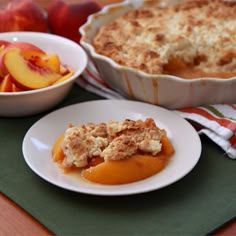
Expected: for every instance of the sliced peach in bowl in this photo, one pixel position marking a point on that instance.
(6, 84)
(16, 89)
(23, 60)
(3, 44)
(50, 61)
(25, 46)
(25, 73)
(64, 69)
(65, 77)
(1, 72)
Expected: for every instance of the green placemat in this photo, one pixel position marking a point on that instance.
(195, 205)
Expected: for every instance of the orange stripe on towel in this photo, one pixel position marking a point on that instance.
(222, 121)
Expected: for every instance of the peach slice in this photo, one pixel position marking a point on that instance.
(49, 61)
(25, 46)
(135, 168)
(25, 73)
(1, 71)
(65, 77)
(3, 45)
(64, 69)
(124, 171)
(57, 152)
(6, 84)
(15, 88)
(26, 50)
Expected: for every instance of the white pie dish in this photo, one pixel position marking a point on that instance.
(164, 90)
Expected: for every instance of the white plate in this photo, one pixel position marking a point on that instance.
(38, 141)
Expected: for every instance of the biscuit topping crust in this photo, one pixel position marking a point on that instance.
(199, 34)
(113, 141)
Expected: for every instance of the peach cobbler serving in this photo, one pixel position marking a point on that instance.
(116, 152)
(190, 39)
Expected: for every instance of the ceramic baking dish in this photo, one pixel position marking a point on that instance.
(164, 90)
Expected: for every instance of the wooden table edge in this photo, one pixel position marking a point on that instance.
(16, 221)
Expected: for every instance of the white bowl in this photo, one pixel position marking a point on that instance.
(16, 104)
(164, 90)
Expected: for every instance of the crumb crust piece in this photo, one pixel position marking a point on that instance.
(112, 141)
(198, 34)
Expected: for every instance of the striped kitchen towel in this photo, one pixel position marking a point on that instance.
(218, 122)
(91, 81)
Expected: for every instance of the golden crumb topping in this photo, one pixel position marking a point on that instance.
(199, 33)
(113, 141)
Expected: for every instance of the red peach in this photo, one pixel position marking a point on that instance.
(22, 15)
(25, 46)
(65, 19)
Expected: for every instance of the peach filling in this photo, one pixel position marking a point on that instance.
(134, 168)
(178, 68)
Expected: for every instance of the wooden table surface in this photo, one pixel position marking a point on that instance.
(15, 221)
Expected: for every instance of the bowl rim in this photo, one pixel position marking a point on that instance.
(90, 49)
(77, 72)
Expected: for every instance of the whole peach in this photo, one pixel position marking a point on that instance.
(64, 19)
(22, 15)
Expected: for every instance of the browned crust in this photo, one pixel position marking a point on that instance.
(201, 34)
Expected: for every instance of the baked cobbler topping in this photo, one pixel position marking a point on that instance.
(112, 141)
(197, 34)
(117, 152)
